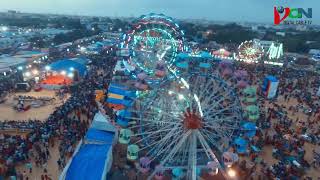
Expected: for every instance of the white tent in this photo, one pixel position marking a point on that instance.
(102, 122)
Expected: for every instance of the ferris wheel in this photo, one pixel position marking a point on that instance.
(152, 45)
(184, 127)
(249, 51)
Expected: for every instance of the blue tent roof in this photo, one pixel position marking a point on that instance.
(98, 135)
(89, 163)
(183, 55)
(249, 126)
(81, 60)
(68, 66)
(205, 54)
(250, 129)
(240, 141)
(124, 113)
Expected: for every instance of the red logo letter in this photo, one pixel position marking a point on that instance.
(277, 18)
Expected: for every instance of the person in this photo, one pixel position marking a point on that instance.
(29, 166)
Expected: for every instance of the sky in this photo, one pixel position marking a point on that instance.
(217, 10)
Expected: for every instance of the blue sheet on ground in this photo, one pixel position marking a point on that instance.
(89, 162)
(98, 135)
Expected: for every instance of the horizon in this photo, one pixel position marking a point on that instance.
(211, 10)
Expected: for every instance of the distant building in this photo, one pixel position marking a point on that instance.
(283, 34)
(314, 51)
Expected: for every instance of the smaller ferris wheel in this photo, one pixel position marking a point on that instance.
(152, 46)
(249, 51)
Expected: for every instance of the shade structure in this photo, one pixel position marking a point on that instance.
(205, 65)
(89, 163)
(182, 56)
(68, 66)
(241, 145)
(249, 129)
(7, 62)
(205, 55)
(102, 122)
(182, 65)
(178, 173)
(115, 96)
(93, 157)
(115, 106)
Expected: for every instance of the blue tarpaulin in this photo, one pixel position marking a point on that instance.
(119, 101)
(115, 101)
(98, 135)
(89, 163)
(93, 157)
(121, 91)
(117, 90)
(68, 66)
(118, 86)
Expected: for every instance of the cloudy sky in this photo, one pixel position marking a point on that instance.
(220, 10)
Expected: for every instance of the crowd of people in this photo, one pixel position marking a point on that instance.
(286, 124)
(66, 125)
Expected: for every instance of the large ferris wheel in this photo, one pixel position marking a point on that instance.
(186, 125)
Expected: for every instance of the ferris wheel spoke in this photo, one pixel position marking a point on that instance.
(211, 141)
(211, 112)
(172, 152)
(207, 148)
(211, 134)
(157, 142)
(154, 132)
(163, 145)
(155, 121)
(156, 112)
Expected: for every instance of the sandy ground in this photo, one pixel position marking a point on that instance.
(8, 113)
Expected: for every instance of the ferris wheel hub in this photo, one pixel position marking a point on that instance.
(192, 120)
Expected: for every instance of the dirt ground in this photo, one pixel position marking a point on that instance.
(8, 113)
